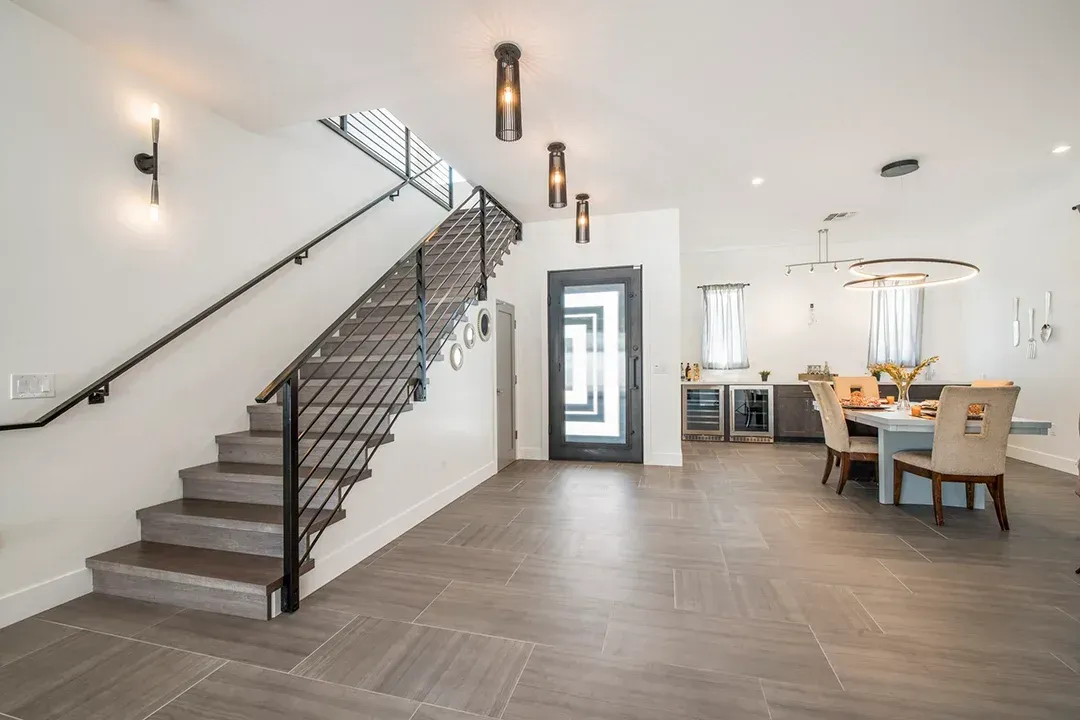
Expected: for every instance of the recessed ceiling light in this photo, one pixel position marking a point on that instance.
(1062, 149)
(759, 180)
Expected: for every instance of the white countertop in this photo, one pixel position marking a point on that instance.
(897, 421)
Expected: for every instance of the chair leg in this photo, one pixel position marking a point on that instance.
(897, 482)
(970, 487)
(1000, 498)
(845, 471)
(992, 488)
(939, 510)
(828, 465)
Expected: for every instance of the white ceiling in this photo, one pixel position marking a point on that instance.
(666, 103)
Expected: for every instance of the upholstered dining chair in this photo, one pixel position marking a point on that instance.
(840, 447)
(960, 456)
(991, 383)
(867, 385)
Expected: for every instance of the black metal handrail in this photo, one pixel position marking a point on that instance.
(97, 391)
(395, 330)
(389, 142)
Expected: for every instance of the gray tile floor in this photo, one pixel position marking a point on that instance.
(735, 587)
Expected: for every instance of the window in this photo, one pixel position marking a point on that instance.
(723, 334)
(896, 326)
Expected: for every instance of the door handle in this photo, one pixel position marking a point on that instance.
(636, 369)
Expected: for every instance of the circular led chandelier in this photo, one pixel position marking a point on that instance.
(909, 272)
(912, 272)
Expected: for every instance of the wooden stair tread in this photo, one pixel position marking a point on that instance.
(265, 518)
(180, 561)
(256, 472)
(267, 437)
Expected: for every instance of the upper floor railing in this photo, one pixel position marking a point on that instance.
(386, 139)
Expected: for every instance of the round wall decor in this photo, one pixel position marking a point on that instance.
(457, 356)
(483, 323)
(468, 335)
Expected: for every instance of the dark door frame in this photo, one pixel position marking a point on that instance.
(633, 450)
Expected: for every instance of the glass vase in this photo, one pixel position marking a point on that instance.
(903, 402)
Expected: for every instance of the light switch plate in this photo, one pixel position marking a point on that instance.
(40, 385)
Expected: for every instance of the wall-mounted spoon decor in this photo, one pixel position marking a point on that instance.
(1046, 330)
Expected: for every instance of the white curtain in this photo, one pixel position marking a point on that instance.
(723, 334)
(896, 326)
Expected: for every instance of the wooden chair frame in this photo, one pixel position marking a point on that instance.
(995, 484)
(843, 461)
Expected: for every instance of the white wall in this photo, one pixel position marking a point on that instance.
(779, 336)
(89, 281)
(648, 239)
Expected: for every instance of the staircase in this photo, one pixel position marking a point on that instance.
(241, 535)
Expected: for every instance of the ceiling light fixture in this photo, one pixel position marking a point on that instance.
(508, 92)
(581, 230)
(822, 258)
(758, 181)
(556, 175)
(147, 163)
(1061, 149)
(908, 272)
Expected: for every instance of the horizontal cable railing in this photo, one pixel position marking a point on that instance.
(352, 382)
(386, 139)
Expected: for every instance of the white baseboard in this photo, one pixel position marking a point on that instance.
(666, 459)
(329, 566)
(1054, 462)
(30, 601)
(531, 453)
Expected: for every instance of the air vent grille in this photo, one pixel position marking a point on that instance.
(831, 217)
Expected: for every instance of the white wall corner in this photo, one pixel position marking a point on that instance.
(667, 459)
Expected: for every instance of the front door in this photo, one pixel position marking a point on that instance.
(504, 383)
(594, 365)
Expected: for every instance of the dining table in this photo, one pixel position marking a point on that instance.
(900, 430)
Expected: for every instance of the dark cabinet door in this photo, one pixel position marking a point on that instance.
(796, 417)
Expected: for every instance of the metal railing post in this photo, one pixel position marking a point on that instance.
(450, 186)
(482, 289)
(343, 122)
(408, 153)
(420, 390)
(290, 426)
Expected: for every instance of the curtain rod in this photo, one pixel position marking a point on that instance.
(702, 287)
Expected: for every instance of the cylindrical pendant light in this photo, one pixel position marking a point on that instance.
(583, 220)
(508, 92)
(556, 175)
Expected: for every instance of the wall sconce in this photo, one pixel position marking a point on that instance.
(556, 175)
(147, 164)
(508, 92)
(582, 227)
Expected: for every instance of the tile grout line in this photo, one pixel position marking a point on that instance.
(525, 556)
(138, 640)
(518, 680)
(154, 625)
(458, 533)
(822, 648)
(416, 710)
(607, 628)
(426, 607)
(919, 520)
(324, 642)
(895, 576)
(858, 600)
(764, 697)
(46, 645)
(1067, 614)
(1064, 663)
(915, 549)
(223, 664)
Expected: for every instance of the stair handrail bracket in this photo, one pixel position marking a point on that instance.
(374, 358)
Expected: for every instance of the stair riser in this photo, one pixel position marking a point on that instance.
(358, 369)
(350, 421)
(257, 493)
(383, 393)
(241, 452)
(440, 319)
(240, 602)
(252, 542)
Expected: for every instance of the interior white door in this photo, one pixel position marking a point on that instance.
(504, 384)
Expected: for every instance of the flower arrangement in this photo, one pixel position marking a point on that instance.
(902, 376)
